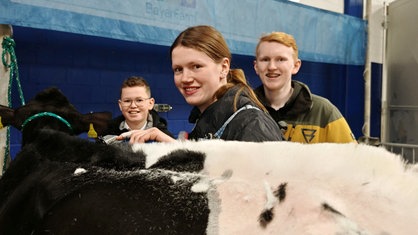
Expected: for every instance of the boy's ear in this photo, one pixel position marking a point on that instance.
(297, 66)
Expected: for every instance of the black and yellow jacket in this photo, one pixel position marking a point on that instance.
(310, 118)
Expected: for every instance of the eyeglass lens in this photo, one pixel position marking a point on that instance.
(128, 102)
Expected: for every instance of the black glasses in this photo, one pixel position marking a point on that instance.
(128, 102)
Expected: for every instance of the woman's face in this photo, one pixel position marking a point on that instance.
(197, 76)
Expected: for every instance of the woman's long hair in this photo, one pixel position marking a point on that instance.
(210, 41)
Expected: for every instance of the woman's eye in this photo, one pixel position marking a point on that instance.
(177, 70)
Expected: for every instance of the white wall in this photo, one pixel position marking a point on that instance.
(376, 30)
(330, 5)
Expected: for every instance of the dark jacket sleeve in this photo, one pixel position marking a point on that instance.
(254, 126)
(160, 123)
(113, 126)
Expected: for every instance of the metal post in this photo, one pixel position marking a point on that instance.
(384, 114)
(5, 30)
(367, 76)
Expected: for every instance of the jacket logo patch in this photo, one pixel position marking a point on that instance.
(308, 134)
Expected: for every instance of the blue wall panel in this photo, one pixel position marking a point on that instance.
(323, 36)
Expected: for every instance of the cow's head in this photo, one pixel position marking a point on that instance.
(50, 109)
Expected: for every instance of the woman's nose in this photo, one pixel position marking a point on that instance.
(186, 76)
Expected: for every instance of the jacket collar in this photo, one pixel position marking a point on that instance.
(299, 102)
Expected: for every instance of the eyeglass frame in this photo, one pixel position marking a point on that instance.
(122, 102)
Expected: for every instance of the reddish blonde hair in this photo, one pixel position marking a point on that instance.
(282, 38)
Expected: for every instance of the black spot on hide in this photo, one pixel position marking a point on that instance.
(327, 207)
(265, 217)
(181, 160)
(280, 193)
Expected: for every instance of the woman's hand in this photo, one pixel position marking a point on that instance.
(142, 136)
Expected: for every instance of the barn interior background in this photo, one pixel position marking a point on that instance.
(87, 48)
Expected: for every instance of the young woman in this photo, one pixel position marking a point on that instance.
(225, 107)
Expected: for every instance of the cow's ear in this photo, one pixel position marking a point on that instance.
(7, 117)
(95, 121)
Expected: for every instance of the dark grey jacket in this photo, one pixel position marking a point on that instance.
(252, 125)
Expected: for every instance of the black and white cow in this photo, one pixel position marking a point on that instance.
(61, 184)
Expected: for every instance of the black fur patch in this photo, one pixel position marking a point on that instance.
(60, 147)
(181, 160)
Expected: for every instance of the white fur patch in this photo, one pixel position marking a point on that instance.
(369, 189)
(79, 171)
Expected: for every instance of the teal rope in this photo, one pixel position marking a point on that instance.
(45, 114)
(8, 45)
(8, 48)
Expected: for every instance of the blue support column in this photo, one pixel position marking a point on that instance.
(353, 8)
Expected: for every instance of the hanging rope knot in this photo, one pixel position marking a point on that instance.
(8, 42)
(8, 45)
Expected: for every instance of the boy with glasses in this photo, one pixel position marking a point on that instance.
(137, 108)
